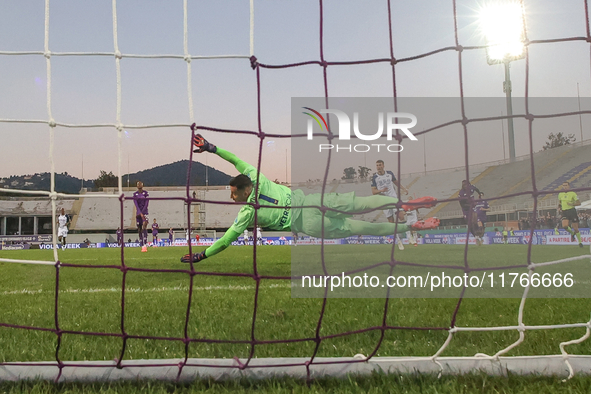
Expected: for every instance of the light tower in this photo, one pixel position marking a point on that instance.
(503, 26)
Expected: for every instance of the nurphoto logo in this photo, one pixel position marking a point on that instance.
(344, 125)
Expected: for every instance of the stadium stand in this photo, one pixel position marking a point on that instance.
(31, 206)
(570, 162)
(104, 213)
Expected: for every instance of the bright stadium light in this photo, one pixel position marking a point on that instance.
(503, 27)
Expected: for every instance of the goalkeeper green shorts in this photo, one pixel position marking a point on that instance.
(335, 223)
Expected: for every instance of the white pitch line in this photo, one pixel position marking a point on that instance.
(140, 290)
(37, 262)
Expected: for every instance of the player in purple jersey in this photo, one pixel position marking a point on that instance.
(170, 237)
(481, 208)
(466, 195)
(155, 229)
(119, 236)
(145, 233)
(140, 198)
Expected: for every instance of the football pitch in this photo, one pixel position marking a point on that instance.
(223, 307)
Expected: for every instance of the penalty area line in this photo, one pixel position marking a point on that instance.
(140, 290)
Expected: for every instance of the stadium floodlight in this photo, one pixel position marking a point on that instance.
(503, 27)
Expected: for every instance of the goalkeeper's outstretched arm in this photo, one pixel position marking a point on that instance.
(240, 224)
(220, 245)
(202, 145)
(240, 165)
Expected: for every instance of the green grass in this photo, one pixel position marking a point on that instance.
(222, 307)
(375, 384)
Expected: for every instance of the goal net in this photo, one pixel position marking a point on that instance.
(240, 76)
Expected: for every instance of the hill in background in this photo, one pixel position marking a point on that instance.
(174, 174)
(64, 183)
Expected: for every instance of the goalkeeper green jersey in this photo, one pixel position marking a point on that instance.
(565, 197)
(270, 194)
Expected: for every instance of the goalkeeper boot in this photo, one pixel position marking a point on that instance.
(426, 224)
(421, 202)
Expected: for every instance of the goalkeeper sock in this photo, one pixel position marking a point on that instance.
(569, 229)
(578, 235)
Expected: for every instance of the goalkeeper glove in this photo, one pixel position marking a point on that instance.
(197, 257)
(202, 145)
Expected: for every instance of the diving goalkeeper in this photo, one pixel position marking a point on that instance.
(301, 220)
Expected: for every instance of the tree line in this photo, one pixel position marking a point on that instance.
(361, 173)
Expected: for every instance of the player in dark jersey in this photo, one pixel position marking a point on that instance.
(481, 208)
(119, 236)
(466, 195)
(140, 198)
(155, 229)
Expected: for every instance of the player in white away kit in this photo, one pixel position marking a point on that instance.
(245, 237)
(62, 230)
(383, 182)
(259, 236)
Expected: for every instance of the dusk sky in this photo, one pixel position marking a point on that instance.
(83, 88)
